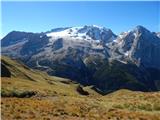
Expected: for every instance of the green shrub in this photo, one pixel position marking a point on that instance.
(16, 93)
(146, 107)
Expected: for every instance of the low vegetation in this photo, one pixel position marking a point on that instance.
(17, 93)
(41, 97)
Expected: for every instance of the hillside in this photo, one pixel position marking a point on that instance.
(32, 94)
(25, 79)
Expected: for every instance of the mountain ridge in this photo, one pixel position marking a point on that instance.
(79, 53)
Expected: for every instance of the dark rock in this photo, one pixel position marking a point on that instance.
(35, 44)
(5, 71)
(81, 91)
(57, 44)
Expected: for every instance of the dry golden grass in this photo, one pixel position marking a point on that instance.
(68, 108)
(57, 99)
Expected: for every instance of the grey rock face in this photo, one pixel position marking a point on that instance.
(140, 46)
(96, 33)
(35, 44)
(58, 44)
(14, 37)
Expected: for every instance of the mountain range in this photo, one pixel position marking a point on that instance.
(91, 55)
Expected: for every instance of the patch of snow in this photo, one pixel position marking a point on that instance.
(97, 26)
(122, 61)
(97, 41)
(126, 53)
(38, 65)
(135, 35)
(94, 63)
(116, 41)
(120, 36)
(58, 34)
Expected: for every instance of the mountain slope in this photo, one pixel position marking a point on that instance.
(116, 75)
(23, 79)
(84, 54)
(32, 94)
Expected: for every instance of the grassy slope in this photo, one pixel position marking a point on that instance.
(58, 99)
(24, 79)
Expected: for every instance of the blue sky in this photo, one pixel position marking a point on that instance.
(43, 16)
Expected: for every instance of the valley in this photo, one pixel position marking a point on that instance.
(43, 97)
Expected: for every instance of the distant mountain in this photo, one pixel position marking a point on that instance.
(92, 55)
(139, 46)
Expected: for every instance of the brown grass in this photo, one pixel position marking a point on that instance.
(67, 107)
(58, 99)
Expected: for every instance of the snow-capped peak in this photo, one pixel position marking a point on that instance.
(91, 32)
